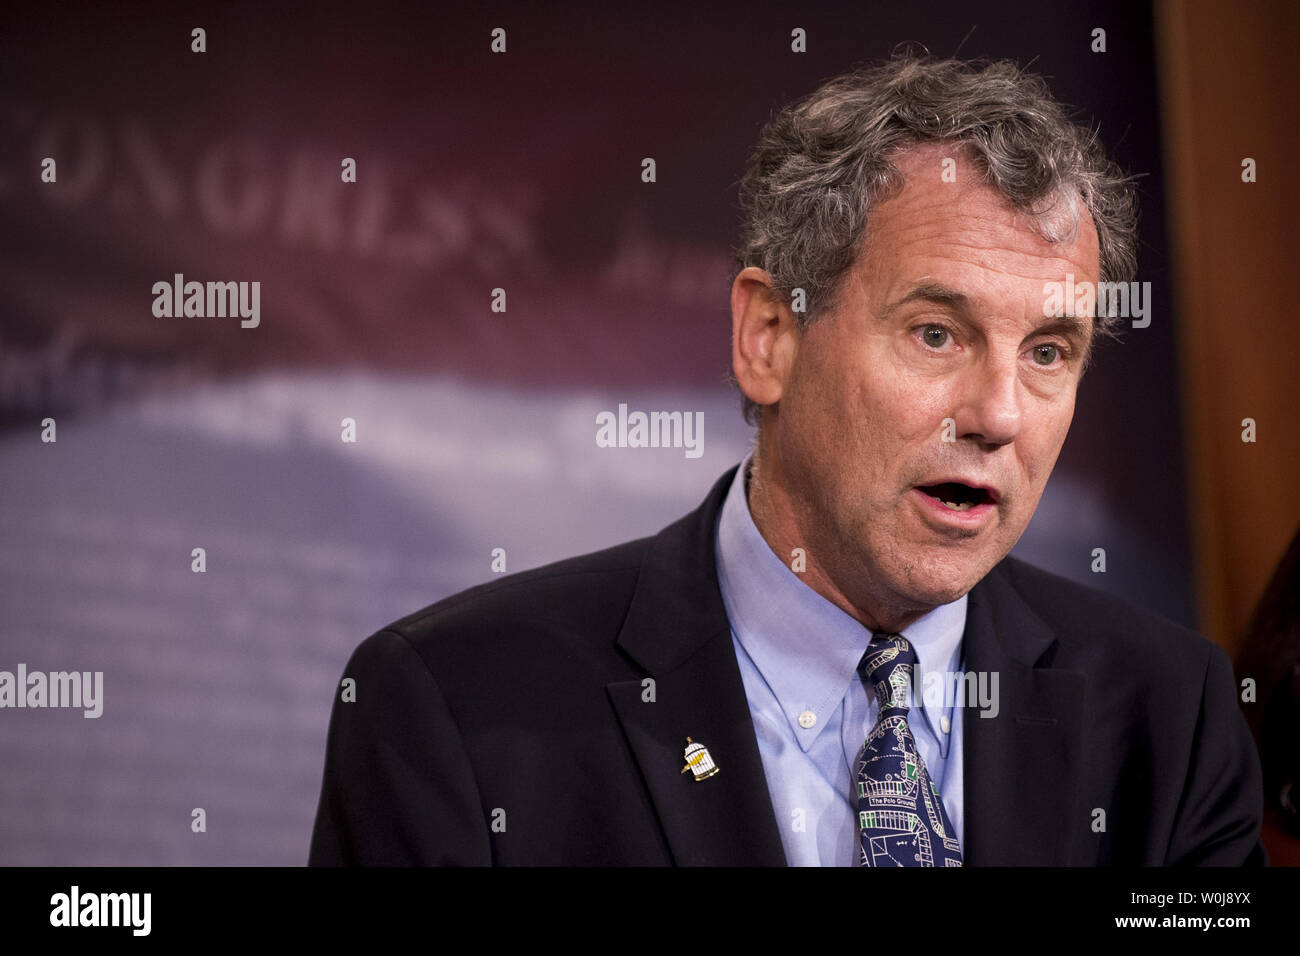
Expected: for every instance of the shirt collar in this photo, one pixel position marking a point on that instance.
(805, 647)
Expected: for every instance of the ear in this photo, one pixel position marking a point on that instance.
(764, 337)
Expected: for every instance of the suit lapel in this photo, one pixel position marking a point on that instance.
(677, 631)
(1020, 768)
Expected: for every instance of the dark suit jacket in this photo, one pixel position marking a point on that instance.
(516, 723)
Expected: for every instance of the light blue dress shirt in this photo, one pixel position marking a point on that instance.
(798, 655)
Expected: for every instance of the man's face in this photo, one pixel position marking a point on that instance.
(941, 319)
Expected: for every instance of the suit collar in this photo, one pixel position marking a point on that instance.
(677, 631)
(677, 606)
(1020, 767)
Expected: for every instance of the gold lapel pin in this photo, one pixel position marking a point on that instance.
(699, 761)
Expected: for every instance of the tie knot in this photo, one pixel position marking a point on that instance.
(887, 664)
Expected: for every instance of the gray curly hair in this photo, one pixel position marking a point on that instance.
(821, 163)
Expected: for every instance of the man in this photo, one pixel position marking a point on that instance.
(752, 685)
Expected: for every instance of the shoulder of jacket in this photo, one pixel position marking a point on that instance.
(573, 589)
(1085, 616)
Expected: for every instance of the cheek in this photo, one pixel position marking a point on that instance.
(831, 397)
(914, 412)
(1042, 452)
(926, 407)
(811, 418)
(888, 418)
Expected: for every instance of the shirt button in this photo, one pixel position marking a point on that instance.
(807, 719)
(944, 725)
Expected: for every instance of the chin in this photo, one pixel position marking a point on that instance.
(933, 594)
(942, 582)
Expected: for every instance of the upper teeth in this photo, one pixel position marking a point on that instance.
(960, 507)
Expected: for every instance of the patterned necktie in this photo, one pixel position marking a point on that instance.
(901, 819)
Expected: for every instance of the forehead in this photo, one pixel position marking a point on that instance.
(932, 228)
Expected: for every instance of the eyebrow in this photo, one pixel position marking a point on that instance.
(1072, 326)
(934, 293)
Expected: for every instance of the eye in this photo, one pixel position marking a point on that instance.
(1046, 354)
(935, 336)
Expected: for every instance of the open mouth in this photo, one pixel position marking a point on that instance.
(957, 496)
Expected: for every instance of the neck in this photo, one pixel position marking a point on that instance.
(785, 521)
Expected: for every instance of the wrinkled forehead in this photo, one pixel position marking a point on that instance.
(946, 208)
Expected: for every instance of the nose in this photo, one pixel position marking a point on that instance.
(990, 409)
